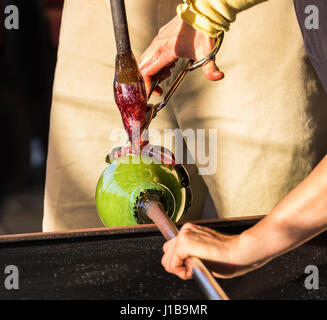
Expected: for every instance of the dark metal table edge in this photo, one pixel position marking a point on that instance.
(119, 231)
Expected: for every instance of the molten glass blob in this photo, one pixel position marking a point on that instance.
(130, 96)
(130, 179)
(132, 101)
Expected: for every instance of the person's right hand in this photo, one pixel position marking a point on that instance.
(226, 256)
(176, 40)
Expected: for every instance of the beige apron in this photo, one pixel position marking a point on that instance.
(270, 111)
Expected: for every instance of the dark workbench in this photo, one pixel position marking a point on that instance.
(124, 263)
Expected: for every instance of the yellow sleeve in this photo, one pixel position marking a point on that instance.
(210, 16)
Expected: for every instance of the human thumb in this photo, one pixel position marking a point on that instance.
(212, 72)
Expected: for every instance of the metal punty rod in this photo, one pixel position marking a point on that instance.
(201, 274)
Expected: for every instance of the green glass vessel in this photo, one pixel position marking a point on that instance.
(125, 184)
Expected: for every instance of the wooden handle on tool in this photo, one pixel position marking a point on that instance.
(201, 274)
(119, 20)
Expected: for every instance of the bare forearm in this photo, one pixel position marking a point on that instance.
(301, 215)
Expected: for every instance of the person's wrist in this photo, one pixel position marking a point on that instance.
(249, 250)
(200, 22)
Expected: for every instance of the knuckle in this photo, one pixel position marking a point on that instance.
(163, 262)
(183, 236)
(159, 51)
(187, 227)
(167, 268)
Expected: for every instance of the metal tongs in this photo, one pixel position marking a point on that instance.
(190, 66)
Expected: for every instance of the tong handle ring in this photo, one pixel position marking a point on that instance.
(211, 55)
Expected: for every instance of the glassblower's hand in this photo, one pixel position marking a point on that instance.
(224, 255)
(176, 40)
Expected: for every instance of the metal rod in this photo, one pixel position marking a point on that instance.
(201, 274)
(119, 20)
